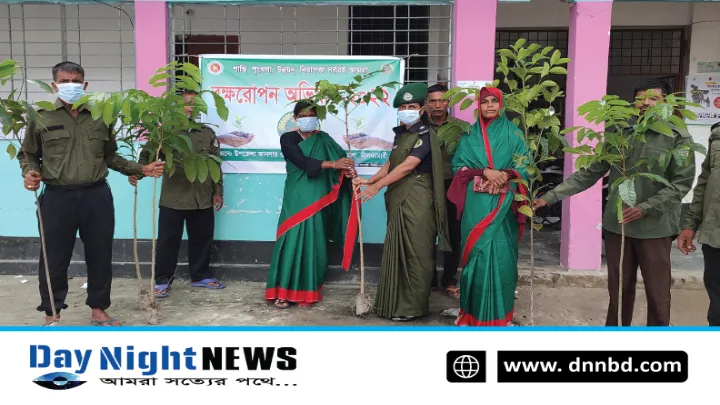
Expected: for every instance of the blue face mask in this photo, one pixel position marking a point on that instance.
(408, 117)
(70, 92)
(308, 124)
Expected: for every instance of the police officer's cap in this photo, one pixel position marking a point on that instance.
(410, 93)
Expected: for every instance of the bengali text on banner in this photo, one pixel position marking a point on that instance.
(260, 93)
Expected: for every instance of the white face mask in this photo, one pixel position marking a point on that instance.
(307, 124)
(408, 117)
(70, 92)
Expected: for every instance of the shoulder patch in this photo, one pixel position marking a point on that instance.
(418, 144)
(215, 143)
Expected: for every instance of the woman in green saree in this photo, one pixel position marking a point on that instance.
(491, 226)
(317, 207)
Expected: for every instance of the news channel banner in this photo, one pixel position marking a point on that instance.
(358, 365)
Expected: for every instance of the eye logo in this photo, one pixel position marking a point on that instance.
(58, 381)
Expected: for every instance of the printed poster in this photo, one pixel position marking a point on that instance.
(261, 91)
(704, 89)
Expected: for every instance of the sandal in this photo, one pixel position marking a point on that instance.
(109, 322)
(282, 304)
(453, 292)
(162, 290)
(207, 283)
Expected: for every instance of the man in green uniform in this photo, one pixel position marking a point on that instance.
(184, 203)
(436, 115)
(71, 153)
(416, 215)
(649, 226)
(704, 213)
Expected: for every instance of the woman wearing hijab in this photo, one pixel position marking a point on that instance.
(317, 207)
(484, 193)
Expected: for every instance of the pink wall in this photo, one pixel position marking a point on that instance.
(473, 44)
(589, 43)
(151, 42)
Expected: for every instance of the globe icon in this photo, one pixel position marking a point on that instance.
(466, 367)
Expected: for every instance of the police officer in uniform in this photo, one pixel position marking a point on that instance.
(71, 153)
(183, 203)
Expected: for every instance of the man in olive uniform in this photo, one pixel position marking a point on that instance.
(416, 215)
(436, 115)
(181, 203)
(649, 226)
(704, 213)
(71, 153)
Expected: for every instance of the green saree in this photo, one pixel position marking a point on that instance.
(489, 224)
(416, 216)
(314, 212)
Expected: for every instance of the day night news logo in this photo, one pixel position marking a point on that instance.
(68, 365)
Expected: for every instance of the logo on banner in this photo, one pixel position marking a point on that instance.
(215, 68)
(465, 366)
(59, 381)
(68, 365)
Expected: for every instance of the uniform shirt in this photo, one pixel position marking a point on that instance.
(421, 149)
(447, 158)
(290, 148)
(69, 151)
(660, 204)
(178, 192)
(704, 212)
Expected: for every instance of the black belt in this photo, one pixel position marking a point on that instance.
(83, 186)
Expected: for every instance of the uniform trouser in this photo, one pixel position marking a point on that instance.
(65, 210)
(653, 257)
(711, 277)
(451, 260)
(200, 230)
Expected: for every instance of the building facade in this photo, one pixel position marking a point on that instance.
(612, 46)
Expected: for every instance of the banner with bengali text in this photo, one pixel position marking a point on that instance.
(260, 93)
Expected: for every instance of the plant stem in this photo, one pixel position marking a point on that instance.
(45, 259)
(154, 222)
(357, 203)
(135, 240)
(620, 283)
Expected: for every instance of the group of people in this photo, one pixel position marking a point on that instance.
(464, 201)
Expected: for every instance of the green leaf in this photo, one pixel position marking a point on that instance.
(545, 69)
(457, 98)
(11, 150)
(538, 227)
(555, 57)
(214, 167)
(627, 192)
(557, 70)
(661, 128)
(108, 113)
(45, 105)
(677, 121)
(169, 158)
(519, 43)
(655, 177)
(202, 170)
(222, 109)
(466, 103)
(526, 210)
(188, 83)
(191, 169)
(42, 85)
(619, 208)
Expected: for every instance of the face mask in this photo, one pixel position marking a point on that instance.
(408, 117)
(70, 92)
(307, 124)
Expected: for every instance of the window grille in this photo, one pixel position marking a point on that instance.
(318, 30)
(99, 37)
